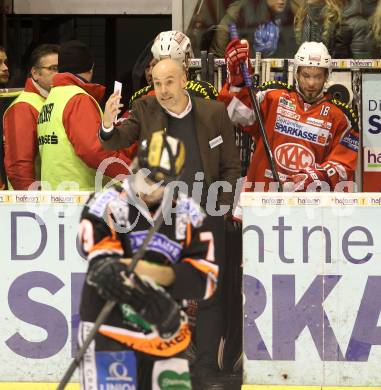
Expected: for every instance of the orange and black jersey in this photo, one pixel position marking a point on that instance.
(185, 241)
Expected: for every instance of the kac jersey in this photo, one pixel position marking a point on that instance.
(115, 224)
(300, 135)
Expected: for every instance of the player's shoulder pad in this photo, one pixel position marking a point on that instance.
(140, 93)
(348, 111)
(202, 89)
(98, 201)
(275, 84)
(190, 210)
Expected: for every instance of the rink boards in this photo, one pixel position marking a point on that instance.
(312, 270)
(312, 290)
(42, 276)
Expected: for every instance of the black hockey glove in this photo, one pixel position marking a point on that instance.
(112, 281)
(155, 305)
(108, 276)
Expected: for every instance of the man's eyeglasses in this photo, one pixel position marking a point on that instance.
(52, 68)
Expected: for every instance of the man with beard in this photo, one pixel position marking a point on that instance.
(314, 137)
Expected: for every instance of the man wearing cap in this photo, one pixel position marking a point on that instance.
(20, 120)
(68, 126)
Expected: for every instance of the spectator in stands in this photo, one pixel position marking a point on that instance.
(4, 102)
(20, 120)
(339, 24)
(294, 5)
(368, 7)
(266, 24)
(375, 30)
(68, 125)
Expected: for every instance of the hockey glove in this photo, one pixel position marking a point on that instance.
(154, 305)
(112, 281)
(108, 275)
(237, 52)
(311, 179)
(266, 38)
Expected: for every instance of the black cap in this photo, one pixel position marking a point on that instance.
(74, 57)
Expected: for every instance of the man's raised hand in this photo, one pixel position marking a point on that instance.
(112, 109)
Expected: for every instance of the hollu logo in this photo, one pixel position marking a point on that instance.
(287, 103)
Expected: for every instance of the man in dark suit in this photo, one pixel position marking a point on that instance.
(203, 125)
(212, 155)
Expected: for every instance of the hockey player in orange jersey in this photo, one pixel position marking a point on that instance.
(314, 137)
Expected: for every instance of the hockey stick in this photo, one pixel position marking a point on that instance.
(109, 305)
(211, 68)
(257, 111)
(258, 57)
(204, 65)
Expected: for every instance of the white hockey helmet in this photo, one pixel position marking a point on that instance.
(174, 45)
(312, 54)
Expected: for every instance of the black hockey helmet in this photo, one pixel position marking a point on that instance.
(163, 155)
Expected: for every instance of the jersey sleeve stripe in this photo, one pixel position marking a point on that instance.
(108, 245)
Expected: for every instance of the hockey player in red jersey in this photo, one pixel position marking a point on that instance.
(314, 137)
(141, 345)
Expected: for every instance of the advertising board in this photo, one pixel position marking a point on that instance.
(312, 289)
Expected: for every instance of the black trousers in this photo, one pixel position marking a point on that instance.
(221, 315)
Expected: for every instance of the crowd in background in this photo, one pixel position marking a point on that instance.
(349, 28)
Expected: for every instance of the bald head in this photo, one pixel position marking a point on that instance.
(168, 66)
(169, 80)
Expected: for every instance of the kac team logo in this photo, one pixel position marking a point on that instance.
(293, 157)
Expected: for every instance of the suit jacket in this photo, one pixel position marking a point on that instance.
(211, 121)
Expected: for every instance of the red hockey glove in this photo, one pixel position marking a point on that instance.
(237, 52)
(311, 179)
